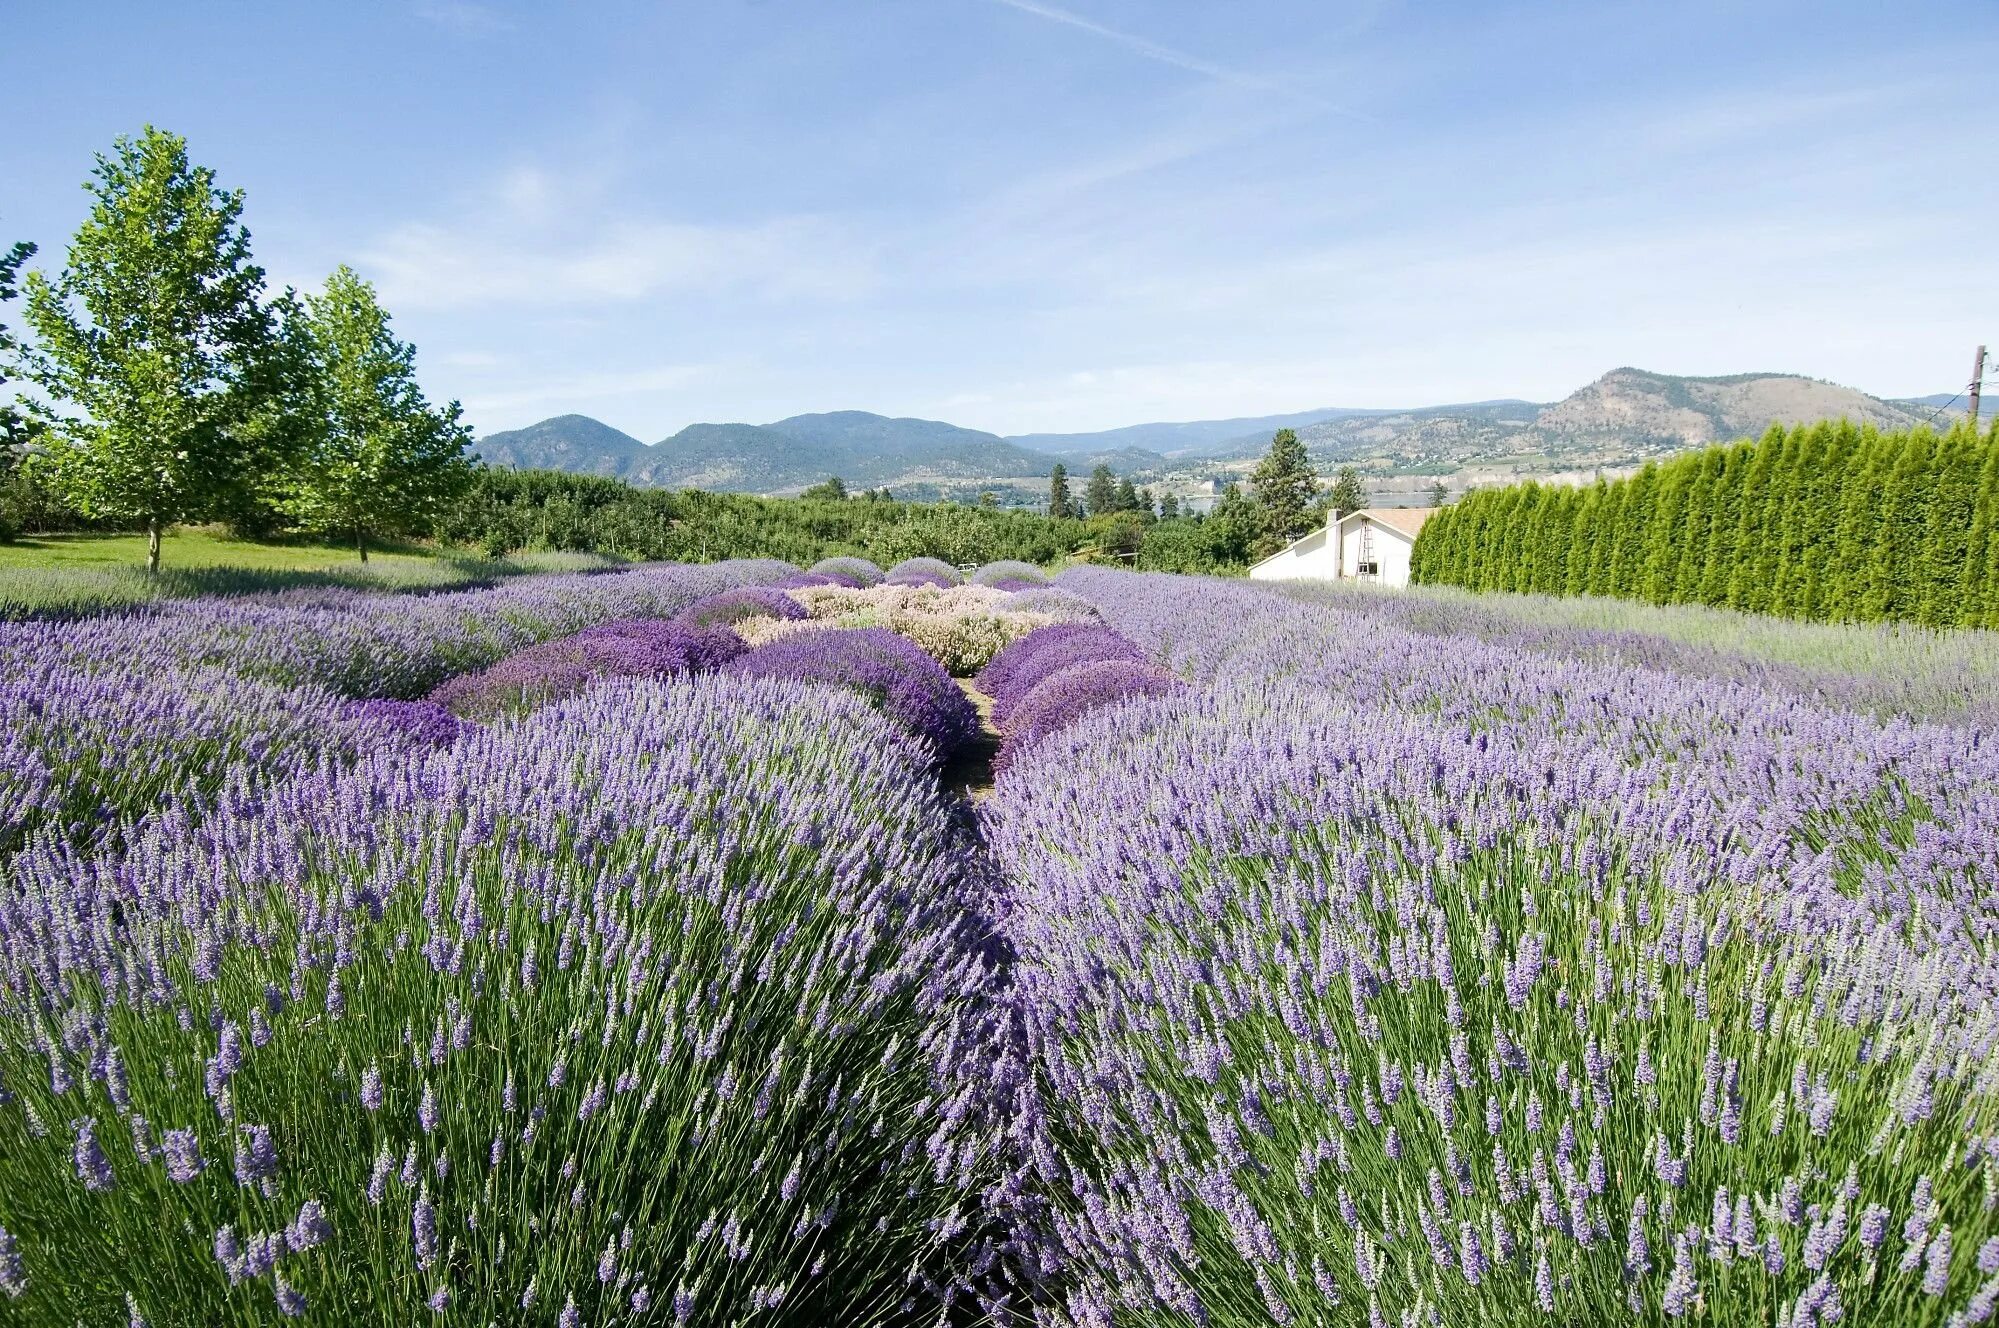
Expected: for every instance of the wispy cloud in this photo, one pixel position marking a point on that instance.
(520, 250)
(1167, 55)
(565, 392)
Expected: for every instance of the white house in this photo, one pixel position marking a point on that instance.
(1371, 544)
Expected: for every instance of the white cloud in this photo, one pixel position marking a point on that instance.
(522, 254)
(577, 392)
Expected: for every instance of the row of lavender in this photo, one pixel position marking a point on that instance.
(1340, 966)
(1387, 977)
(634, 1003)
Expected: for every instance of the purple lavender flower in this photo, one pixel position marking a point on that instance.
(371, 1088)
(423, 1229)
(182, 1151)
(13, 1269)
(92, 1167)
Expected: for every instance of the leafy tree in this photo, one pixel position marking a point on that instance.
(831, 489)
(1169, 507)
(1231, 529)
(1348, 494)
(1059, 503)
(1440, 496)
(1127, 496)
(1285, 486)
(13, 425)
(156, 337)
(381, 458)
(1102, 493)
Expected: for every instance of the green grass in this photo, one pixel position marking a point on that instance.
(70, 575)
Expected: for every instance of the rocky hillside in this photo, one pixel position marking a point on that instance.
(1614, 423)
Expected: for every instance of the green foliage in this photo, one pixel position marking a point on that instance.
(370, 454)
(1349, 495)
(833, 489)
(1830, 521)
(1101, 496)
(154, 345)
(1285, 486)
(1060, 505)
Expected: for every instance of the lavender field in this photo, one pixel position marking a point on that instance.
(736, 944)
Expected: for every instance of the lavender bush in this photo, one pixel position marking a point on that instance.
(1021, 667)
(889, 669)
(624, 648)
(82, 751)
(1065, 696)
(1008, 570)
(925, 571)
(642, 1011)
(857, 570)
(364, 645)
(732, 606)
(1417, 982)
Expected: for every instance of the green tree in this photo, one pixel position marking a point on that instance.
(1440, 496)
(1127, 496)
(382, 458)
(1231, 529)
(155, 348)
(1669, 530)
(1979, 598)
(13, 425)
(1101, 496)
(1285, 486)
(1059, 502)
(1169, 507)
(1348, 494)
(831, 489)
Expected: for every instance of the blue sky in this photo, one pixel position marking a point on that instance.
(1020, 215)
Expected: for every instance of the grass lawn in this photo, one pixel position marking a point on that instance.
(66, 575)
(198, 548)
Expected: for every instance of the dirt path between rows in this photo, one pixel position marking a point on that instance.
(970, 773)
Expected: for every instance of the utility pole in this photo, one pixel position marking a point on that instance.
(1977, 385)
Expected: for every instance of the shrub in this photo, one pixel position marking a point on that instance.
(1018, 669)
(919, 579)
(858, 570)
(555, 669)
(363, 645)
(732, 606)
(1054, 602)
(1065, 696)
(652, 998)
(1402, 1016)
(413, 724)
(961, 627)
(801, 580)
(890, 669)
(925, 571)
(1008, 570)
(84, 751)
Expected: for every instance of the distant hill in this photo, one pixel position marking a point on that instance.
(1619, 421)
(863, 449)
(1195, 438)
(574, 443)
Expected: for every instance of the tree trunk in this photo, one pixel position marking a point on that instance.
(361, 540)
(152, 548)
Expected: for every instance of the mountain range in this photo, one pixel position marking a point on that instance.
(1620, 420)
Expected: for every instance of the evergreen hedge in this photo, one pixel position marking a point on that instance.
(1828, 522)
